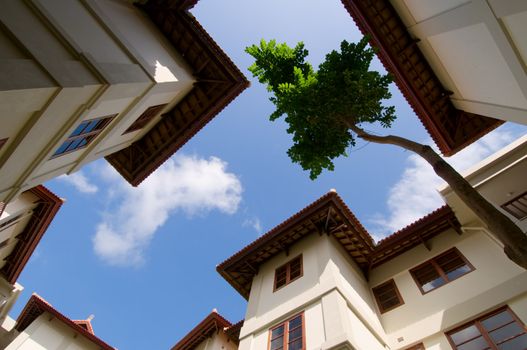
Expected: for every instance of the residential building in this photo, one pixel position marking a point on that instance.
(81, 80)
(23, 222)
(214, 332)
(460, 63)
(319, 281)
(41, 326)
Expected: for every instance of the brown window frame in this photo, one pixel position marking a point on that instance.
(285, 324)
(439, 270)
(288, 279)
(145, 118)
(483, 331)
(521, 198)
(86, 137)
(378, 299)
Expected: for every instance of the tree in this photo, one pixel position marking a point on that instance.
(325, 111)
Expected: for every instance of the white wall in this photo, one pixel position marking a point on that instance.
(76, 60)
(48, 333)
(494, 282)
(337, 309)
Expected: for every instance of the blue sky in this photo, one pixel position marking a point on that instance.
(142, 260)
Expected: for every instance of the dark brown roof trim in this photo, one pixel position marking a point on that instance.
(212, 323)
(327, 215)
(418, 232)
(240, 268)
(36, 306)
(233, 332)
(219, 82)
(450, 128)
(48, 205)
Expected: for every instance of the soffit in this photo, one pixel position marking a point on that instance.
(451, 129)
(330, 215)
(218, 82)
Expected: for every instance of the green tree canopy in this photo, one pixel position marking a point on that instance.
(319, 105)
(324, 109)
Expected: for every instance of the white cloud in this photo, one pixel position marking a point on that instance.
(254, 223)
(188, 184)
(415, 194)
(80, 182)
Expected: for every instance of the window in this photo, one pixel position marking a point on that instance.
(419, 346)
(288, 272)
(288, 335)
(517, 207)
(499, 330)
(85, 133)
(387, 296)
(145, 118)
(440, 270)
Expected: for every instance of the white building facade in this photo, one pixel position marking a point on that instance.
(82, 80)
(318, 281)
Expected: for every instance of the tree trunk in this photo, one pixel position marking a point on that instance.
(512, 237)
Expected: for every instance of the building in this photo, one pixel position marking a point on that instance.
(460, 64)
(41, 326)
(23, 222)
(319, 281)
(81, 80)
(214, 332)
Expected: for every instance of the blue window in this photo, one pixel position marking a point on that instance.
(83, 134)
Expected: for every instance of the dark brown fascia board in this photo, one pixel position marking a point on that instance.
(161, 13)
(36, 306)
(329, 200)
(465, 127)
(395, 244)
(213, 322)
(47, 207)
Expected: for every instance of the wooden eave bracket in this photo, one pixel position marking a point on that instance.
(455, 226)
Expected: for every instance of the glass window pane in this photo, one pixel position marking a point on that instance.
(465, 334)
(506, 332)
(295, 334)
(497, 320)
(79, 129)
(452, 275)
(74, 144)
(91, 126)
(278, 331)
(475, 344)
(428, 277)
(296, 345)
(295, 322)
(515, 344)
(277, 343)
(62, 148)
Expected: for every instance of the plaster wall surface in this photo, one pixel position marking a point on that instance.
(332, 304)
(73, 61)
(495, 281)
(48, 333)
(477, 49)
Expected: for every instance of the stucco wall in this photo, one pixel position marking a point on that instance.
(48, 333)
(72, 61)
(494, 282)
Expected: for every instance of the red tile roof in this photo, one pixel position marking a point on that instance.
(218, 82)
(451, 129)
(46, 209)
(36, 306)
(210, 324)
(240, 268)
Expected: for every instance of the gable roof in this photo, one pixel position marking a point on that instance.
(450, 128)
(218, 82)
(27, 241)
(36, 306)
(330, 215)
(212, 323)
